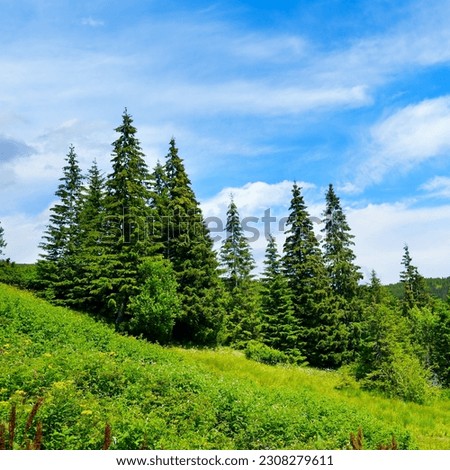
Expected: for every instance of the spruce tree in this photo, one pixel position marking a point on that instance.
(279, 327)
(414, 289)
(91, 254)
(242, 321)
(126, 238)
(57, 267)
(338, 245)
(159, 201)
(375, 290)
(320, 338)
(344, 275)
(189, 246)
(2, 239)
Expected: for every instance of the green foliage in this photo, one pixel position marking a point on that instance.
(344, 276)
(304, 268)
(337, 245)
(260, 352)
(154, 309)
(153, 397)
(61, 241)
(414, 288)
(125, 238)
(387, 360)
(279, 328)
(19, 275)
(242, 320)
(431, 334)
(189, 247)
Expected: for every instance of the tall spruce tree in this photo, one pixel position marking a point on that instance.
(242, 322)
(2, 239)
(343, 273)
(414, 289)
(58, 266)
(126, 238)
(189, 247)
(321, 339)
(92, 251)
(279, 326)
(159, 201)
(338, 245)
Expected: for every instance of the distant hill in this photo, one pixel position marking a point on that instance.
(438, 287)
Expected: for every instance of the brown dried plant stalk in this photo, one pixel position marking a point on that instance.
(33, 413)
(12, 427)
(107, 437)
(357, 442)
(2, 437)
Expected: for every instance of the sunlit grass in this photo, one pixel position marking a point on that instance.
(429, 424)
(184, 398)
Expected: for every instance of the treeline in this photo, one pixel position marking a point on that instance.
(133, 247)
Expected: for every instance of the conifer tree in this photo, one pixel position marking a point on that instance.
(375, 289)
(159, 201)
(321, 339)
(343, 274)
(2, 239)
(91, 253)
(415, 292)
(57, 267)
(126, 238)
(189, 247)
(279, 327)
(235, 254)
(338, 249)
(242, 321)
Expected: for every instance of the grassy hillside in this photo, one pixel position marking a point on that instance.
(169, 398)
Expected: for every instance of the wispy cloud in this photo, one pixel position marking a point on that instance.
(407, 138)
(89, 21)
(439, 186)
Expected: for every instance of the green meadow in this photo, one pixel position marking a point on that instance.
(68, 381)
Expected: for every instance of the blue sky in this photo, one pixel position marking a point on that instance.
(257, 94)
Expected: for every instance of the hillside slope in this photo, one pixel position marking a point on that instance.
(160, 398)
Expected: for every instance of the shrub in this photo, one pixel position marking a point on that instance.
(156, 307)
(262, 353)
(403, 377)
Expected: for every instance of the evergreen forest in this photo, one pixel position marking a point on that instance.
(132, 250)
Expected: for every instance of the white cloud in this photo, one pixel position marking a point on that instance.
(23, 234)
(382, 230)
(404, 140)
(257, 47)
(262, 208)
(439, 186)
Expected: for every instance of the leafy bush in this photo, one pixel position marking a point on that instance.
(156, 307)
(19, 275)
(403, 377)
(387, 360)
(262, 353)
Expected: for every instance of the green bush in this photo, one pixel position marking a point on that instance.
(19, 275)
(262, 353)
(403, 377)
(155, 308)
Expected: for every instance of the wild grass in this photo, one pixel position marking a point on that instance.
(97, 389)
(428, 424)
